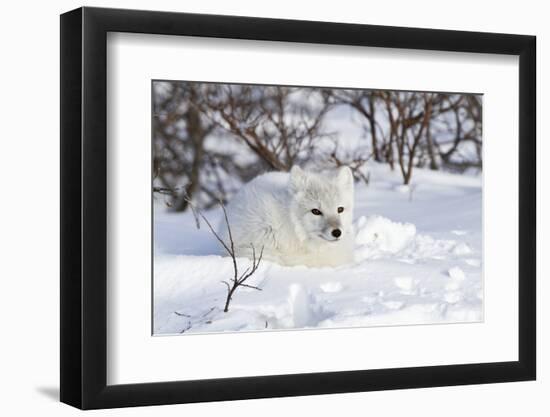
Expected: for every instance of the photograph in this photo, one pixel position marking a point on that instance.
(260, 206)
(300, 207)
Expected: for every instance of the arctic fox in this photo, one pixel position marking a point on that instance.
(298, 218)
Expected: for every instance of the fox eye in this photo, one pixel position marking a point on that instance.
(316, 212)
(340, 209)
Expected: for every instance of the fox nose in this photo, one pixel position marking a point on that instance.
(336, 232)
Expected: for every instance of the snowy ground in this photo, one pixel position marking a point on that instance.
(418, 261)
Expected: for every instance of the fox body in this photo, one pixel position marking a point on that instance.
(296, 218)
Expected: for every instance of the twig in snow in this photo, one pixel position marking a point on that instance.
(189, 325)
(238, 280)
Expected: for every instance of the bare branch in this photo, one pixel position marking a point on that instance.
(237, 280)
(250, 286)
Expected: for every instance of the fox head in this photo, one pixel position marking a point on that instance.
(321, 204)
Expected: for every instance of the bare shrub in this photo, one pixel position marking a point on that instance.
(238, 279)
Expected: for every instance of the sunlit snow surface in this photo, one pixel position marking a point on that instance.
(418, 260)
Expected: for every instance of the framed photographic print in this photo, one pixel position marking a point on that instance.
(257, 208)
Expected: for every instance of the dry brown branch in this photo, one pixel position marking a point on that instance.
(354, 163)
(277, 123)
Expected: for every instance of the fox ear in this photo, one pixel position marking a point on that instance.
(298, 178)
(345, 177)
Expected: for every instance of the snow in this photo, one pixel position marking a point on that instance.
(331, 287)
(457, 274)
(418, 260)
(378, 234)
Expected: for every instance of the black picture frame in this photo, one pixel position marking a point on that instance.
(84, 207)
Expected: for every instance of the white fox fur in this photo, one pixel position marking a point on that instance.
(274, 212)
